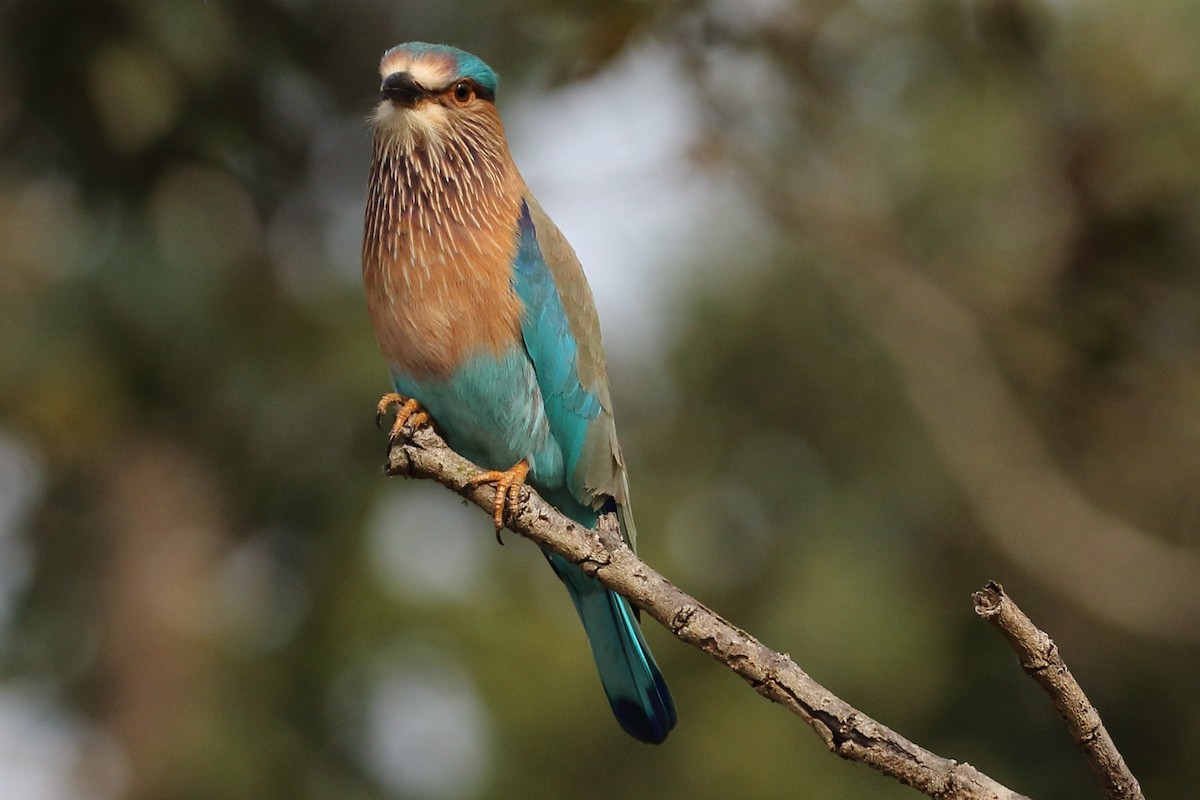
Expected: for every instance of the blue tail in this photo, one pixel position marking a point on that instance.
(636, 691)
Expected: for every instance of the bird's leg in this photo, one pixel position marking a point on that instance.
(408, 412)
(508, 489)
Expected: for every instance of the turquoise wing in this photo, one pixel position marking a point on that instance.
(562, 337)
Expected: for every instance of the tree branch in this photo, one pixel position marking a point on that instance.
(1040, 659)
(846, 731)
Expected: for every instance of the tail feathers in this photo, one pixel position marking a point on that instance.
(636, 690)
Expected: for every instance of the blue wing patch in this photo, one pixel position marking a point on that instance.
(551, 347)
(636, 691)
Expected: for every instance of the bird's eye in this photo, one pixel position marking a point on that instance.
(463, 92)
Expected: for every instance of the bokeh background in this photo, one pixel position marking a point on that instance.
(898, 297)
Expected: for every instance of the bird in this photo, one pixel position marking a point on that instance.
(489, 331)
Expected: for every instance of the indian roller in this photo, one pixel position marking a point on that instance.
(488, 328)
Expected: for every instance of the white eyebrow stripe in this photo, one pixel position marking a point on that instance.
(432, 72)
(432, 75)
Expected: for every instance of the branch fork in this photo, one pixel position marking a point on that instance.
(846, 731)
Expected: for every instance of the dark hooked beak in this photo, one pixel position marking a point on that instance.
(400, 87)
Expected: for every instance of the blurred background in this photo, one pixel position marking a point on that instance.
(898, 298)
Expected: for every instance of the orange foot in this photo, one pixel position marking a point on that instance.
(508, 489)
(408, 412)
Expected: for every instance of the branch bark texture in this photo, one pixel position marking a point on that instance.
(1040, 659)
(846, 731)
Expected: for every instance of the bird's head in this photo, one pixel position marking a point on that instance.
(429, 91)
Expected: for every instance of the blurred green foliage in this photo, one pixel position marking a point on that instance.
(208, 590)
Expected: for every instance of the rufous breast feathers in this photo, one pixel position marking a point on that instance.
(440, 236)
